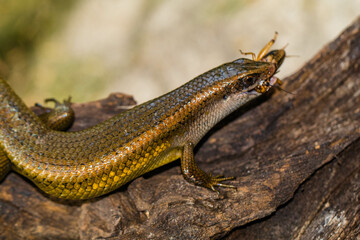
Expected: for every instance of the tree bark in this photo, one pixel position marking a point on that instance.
(295, 158)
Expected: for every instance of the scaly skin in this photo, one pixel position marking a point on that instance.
(95, 161)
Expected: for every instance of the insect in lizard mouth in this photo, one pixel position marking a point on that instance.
(275, 57)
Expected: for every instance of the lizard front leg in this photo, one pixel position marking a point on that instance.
(193, 174)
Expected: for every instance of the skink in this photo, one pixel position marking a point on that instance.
(95, 161)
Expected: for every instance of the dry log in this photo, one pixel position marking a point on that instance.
(295, 156)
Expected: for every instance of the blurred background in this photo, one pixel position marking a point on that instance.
(88, 49)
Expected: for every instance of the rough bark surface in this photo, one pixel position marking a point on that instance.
(303, 147)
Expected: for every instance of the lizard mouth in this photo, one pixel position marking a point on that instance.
(265, 85)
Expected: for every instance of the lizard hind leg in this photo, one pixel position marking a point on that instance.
(59, 118)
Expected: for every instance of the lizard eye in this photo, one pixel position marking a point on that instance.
(248, 81)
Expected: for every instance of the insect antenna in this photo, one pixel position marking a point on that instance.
(278, 87)
(283, 48)
(292, 56)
